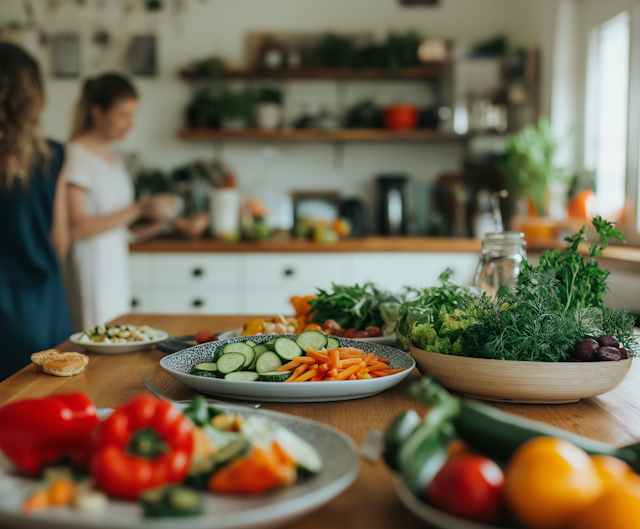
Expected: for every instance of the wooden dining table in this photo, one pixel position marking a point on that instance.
(371, 502)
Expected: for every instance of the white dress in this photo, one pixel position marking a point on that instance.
(98, 267)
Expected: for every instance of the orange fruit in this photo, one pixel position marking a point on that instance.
(549, 481)
(613, 472)
(615, 509)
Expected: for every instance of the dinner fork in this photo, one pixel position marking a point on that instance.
(161, 395)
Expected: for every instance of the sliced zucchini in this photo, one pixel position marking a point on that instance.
(275, 376)
(250, 343)
(258, 350)
(206, 366)
(332, 343)
(287, 349)
(313, 339)
(231, 362)
(268, 362)
(242, 348)
(243, 376)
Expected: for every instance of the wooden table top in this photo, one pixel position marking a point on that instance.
(371, 501)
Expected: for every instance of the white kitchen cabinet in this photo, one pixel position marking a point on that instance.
(262, 283)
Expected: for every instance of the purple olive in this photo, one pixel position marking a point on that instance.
(625, 353)
(608, 341)
(585, 351)
(610, 354)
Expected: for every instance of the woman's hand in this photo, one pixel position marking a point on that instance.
(160, 207)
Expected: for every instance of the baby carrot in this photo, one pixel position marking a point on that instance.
(304, 360)
(335, 358)
(289, 367)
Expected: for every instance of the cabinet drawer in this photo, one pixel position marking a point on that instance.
(298, 271)
(194, 300)
(196, 269)
(142, 299)
(140, 268)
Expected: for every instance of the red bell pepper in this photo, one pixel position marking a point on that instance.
(145, 443)
(35, 432)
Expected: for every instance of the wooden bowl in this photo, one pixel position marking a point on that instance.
(526, 382)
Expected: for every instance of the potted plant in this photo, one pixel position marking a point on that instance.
(528, 164)
(190, 184)
(269, 108)
(237, 109)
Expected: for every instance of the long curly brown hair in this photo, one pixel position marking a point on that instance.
(22, 146)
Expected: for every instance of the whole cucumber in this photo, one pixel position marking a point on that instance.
(498, 435)
(399, 431)
(426, 460)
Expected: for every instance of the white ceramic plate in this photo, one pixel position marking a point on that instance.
(116, 348)
(179, 365)
(433, 516)
(383, 340)
(340, 468)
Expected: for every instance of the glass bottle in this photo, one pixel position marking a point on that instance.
(501, 261)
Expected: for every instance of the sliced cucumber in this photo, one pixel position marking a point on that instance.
(268, 362)
(242, 348)
(275, 376)
(270, 345)
(313, 339)
(231, 362)
(243, 376)
(258, 349)
(271, 342)
(305, 455)
(287, 349)
(206, 366)
(332, 343)
(250, 343)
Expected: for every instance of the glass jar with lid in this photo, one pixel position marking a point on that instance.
(501, 261)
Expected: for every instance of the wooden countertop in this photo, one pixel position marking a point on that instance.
(371, 501)
(365, 244)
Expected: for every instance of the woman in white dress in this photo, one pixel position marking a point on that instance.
(101, 202)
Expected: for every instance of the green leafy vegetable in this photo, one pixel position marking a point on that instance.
(356, 306)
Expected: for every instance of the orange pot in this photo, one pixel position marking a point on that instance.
(401, 116)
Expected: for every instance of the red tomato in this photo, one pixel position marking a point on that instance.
(329, 332)
(362, 334)
(469, 486)
(374, 331)
(331, 324)
(205, 336)
(341, 332)
(351, 333)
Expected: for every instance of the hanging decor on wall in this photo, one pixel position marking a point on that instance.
(65, 55)
(142, 55)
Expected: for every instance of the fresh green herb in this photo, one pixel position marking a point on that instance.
(425, 321)
(356, 306)
(581, 283)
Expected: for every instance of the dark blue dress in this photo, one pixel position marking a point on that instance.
(33, 307)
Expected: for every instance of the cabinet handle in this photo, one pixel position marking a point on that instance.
(197, 272)
(289, 272)
(134, 302)
(197, 303)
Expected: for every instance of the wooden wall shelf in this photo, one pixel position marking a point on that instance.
(434, 70)
(338, 135)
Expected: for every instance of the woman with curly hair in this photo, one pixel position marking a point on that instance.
(33, 218)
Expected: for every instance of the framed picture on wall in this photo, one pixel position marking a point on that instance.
(65, 55)
(142, 55)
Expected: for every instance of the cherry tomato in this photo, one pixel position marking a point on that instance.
(351, 333)
(362, 334)
(469, 486)
(374, 332)
(205, 336)
(341, 332)
(331, 324)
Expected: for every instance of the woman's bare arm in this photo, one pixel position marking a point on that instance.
(60, 230)
(144, 232)
(83, 226)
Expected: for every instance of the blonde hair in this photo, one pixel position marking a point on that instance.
(103, 91)
(22, 146)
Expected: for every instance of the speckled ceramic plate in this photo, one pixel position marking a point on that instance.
(382, 340)
(340, 468)
(118, 348)
(179, 366)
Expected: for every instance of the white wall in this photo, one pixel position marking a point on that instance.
(219, 26)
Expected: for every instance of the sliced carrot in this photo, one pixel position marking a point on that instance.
(313, 327)
(348, 372)
(378, 367)
(324, 367)
(352, 362)
(335, 358)
(304, 360)
(307, 376)
(383, 360)
(352, 377)
(393, 371)
(362, 376)
(61, 492)
(323, 359)
(289, 367)
(318, 377)
(369, 358)
(297, 373)
(37, 501)
(332, 373)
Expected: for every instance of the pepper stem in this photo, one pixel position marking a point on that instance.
(147, 443)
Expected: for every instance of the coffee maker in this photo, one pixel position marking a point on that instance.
(392, 204)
